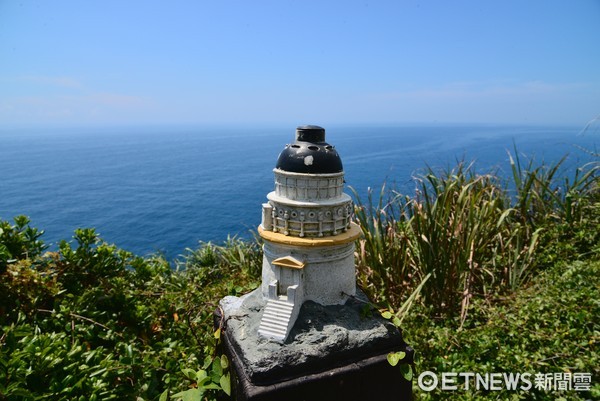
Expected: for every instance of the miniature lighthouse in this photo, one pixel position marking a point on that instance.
(308, 233)
(304, 333)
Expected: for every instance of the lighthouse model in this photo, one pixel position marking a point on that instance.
(308, 233)
(308, 333)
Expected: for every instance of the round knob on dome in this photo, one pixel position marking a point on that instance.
(310, 133)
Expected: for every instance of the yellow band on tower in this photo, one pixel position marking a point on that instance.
(349, 235)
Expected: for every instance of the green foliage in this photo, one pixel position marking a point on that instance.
(472, 236)
(217, 378)
(19, 241)
(466, 244)
(385, 261)
(551, 326)
(211, 261)
(457, 219)
(92, 321)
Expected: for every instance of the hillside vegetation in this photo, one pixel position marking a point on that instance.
(484, 274)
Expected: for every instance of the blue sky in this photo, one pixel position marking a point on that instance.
(293, 62)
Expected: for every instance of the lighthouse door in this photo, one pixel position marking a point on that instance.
(286, 279)
(289, 274)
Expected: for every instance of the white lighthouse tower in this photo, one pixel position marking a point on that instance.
(308, 233)
(303, 334)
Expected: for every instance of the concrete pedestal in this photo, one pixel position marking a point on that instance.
(335, 352)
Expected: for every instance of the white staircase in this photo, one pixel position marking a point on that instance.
(277, 320)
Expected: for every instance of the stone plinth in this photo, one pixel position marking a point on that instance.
(334, 352)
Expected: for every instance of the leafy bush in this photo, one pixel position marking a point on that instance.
(92, 321)
(549, 327)
(19, 241)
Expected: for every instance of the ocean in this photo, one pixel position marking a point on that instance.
(165, 189)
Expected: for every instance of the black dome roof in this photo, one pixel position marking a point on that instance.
(310, 153)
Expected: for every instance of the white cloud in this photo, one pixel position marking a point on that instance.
(499, 101)
(502, 101)
(479, 90)
(57, 81)
(73, 108)
(68, 100)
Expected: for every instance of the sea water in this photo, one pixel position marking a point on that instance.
(164, 189)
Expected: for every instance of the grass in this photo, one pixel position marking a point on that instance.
(550, 326)
(471, 235)
(482, 275)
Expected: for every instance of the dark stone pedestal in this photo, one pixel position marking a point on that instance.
(332, 353)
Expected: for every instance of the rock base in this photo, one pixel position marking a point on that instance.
(334, 352)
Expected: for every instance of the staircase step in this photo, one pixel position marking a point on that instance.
(273, 327)
(282, 304)
(279, 311)
(272, 334)
(275, 319)
(279, 308)
(279, 314)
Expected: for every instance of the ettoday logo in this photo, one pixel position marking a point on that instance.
(465, 381)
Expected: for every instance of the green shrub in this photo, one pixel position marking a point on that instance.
(385, 264)
(472, 236)
(92, 321)
(551, 326)
(19, 241)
